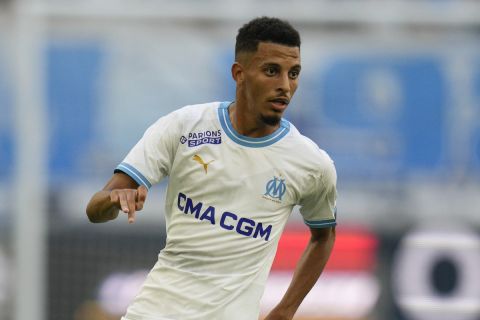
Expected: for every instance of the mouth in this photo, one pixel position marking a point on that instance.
(280, 103)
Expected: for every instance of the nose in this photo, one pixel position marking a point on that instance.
(284, 84)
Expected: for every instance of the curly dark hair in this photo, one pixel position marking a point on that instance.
(265, 29)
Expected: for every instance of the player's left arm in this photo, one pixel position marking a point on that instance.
(307, 272)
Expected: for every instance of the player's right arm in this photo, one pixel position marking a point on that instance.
(120, 193)
(147, 163)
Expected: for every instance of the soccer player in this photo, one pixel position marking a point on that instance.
(236, 171)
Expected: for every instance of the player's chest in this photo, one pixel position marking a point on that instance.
(237, 174)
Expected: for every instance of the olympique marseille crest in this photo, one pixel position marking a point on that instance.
(275, 189)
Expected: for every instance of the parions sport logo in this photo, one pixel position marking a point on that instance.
(202, 137)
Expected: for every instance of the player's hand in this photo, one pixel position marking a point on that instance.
(129, 200)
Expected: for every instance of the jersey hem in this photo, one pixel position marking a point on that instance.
(131, 316)
(134, 174)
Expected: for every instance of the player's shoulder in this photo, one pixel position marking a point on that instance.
(312, 154)
(306, 145)
(202, 110)
(184, 117)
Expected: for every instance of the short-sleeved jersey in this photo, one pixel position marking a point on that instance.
(228, 199)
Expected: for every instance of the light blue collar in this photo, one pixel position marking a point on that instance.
(248, 141)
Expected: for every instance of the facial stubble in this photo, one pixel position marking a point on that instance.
(270, 120)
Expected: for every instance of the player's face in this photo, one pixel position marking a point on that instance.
(270, 79)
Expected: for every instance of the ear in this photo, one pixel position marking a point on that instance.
(238, 73)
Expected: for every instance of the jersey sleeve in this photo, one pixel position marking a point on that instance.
(151, 159)
(318, 205)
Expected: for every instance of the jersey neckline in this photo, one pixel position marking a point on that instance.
(245, 141)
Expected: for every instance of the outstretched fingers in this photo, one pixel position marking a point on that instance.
(131, 205)
(122, 200)
(129, 200)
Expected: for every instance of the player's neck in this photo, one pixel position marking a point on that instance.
(246, 123)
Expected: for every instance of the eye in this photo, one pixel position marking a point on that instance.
(293, 74)
(270, 71)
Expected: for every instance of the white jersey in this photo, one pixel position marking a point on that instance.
(228, 199)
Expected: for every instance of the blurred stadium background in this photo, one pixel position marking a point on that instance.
(391, 89)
